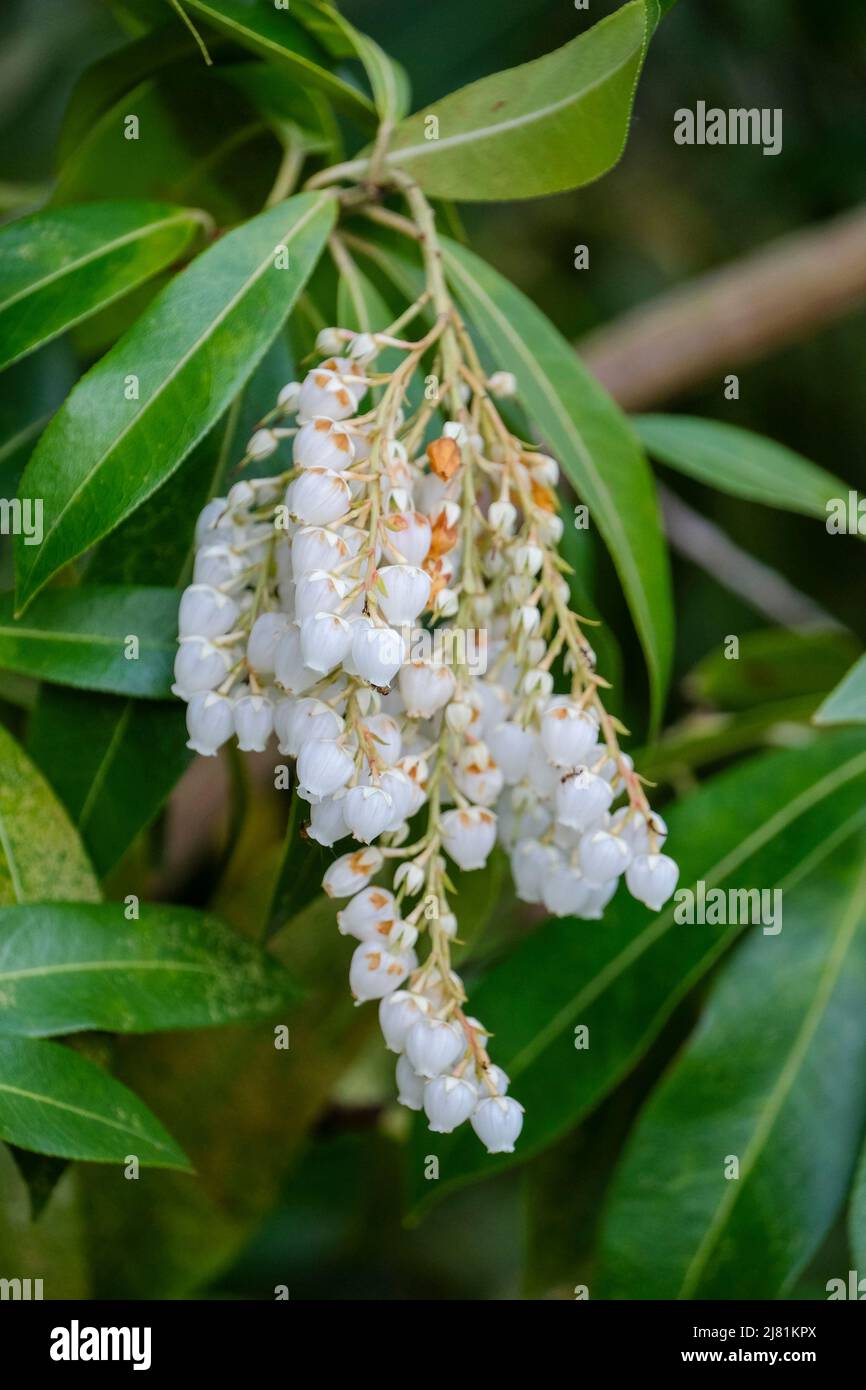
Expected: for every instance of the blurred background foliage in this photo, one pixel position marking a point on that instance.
(667, 214)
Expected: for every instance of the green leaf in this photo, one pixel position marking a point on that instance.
(739, 462)
(273, 34)
(41, 856)
(772, 664)
(299, 870)
(67, 967)
(847, 703)
(591, 439)
(80, 637)
(59, 267)
(775, 1078)
(555, 123)
(765, 823)
(113, 777)
(389, 82)
(54, 1101)
(857, 1215)
(186, 358)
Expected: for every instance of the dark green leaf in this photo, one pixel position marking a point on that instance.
(186, 358)
(79, 637)
(54, 1101)
(41, 856)
(739, 462)
(68, 967)
(591, 439)
(765, 823)
(772, 665)
(59, 266)
(774, 1078)
(388, 80)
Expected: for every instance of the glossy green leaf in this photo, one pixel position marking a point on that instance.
(275, 35)
(774, 1079)
(592, 441)
(763, 824)
(389, 82)
(54, 1101)
(847, 703)
(81, 637)
(68, 967)
(857, 1217)
(552, 124)
(183, 362)
(59, 266)
(41, 856)
(739, 462)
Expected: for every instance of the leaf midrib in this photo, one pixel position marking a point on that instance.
(86, 1115)
(96, 967)
(778, 1094)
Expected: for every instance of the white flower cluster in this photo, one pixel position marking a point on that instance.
(414, 518)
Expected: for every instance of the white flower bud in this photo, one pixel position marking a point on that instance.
(216, 565)
(266, 632)
(497, 1078)
(410, 874)
(545, 469)
(397, 1013)
(376, 971)
(262, 445)
(289, 396)
(502, 517)
(458, 716)
(527, 559)
(503, 385)
(325, 640)
(410, 1086)
(448, 1102)
(433, 1045)
(205, 612)
(498, 1122)
(652, 878)
(581, 798)
(209, 722)
(537, 683)
(403, 592)
(254, 722)
(468, 836)
(377, 653)
(363, 347)
(425, 687)
(322, 443)
(327, 824)
(603, 856)
(323, 767)
(214, 523)
(329, 341)
(319, 497)
(367, 812)
(568, 733)
(351, 872)
(385, 732)
(525, 619)
(445, 603)
(199, 665)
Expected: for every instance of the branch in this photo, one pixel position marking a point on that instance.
(731, 316)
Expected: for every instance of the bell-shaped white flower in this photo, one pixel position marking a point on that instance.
(497, 1081)
(564, 890)
(426, 686)
(327, 824)
(603, 856)
(214, 523)
(448, 1102)
(254, 722)
(410, 534)
(323, 392)
(512, 748)
(319, 497)
(265, 633)
(370, 915)
(568, 733)
(468, 835)
(322, 443)
(199, 665)
(530, 864)
(598, 895)
(298, 722)
(324, 766)
(377, 653)
(325, 640)
(375, 971)
(216, 564)
(351, 872)
(652, 878)
(581, 797)
(367, 812)
(635, 830)
(290, 671)
(318, 592)
(477, 775)
(433, 1045)
(410, 1086)
(317, 548)
(384, 731)
(397, 1013)
(206, 612)
(402, 593)
(502, 517)
(209, 722)
(262, 445)
(498, 1121)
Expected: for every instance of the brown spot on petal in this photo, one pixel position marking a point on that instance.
(542, 496)
(444, 456)
(320, 423)
(374, 960)
(343, 443)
